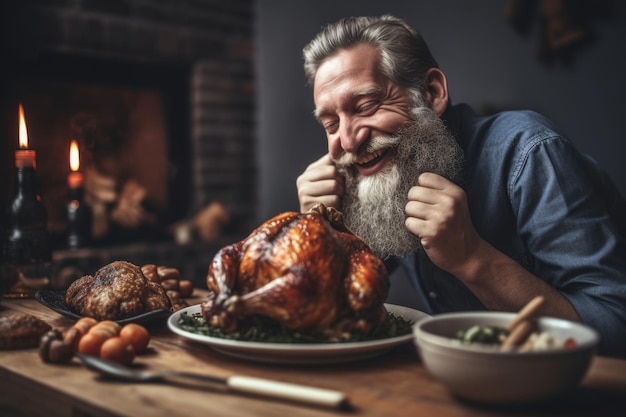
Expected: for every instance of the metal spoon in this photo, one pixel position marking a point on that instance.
(236, 383)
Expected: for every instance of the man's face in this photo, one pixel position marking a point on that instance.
(381, 143)
(355, 103)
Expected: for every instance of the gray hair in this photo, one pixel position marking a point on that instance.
(404, 55)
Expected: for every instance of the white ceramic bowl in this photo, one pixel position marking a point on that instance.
(489, 375)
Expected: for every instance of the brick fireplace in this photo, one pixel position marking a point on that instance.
(192, 61)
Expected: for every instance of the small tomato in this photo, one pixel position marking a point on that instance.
(90, 343)
(84, 324)
(107, 327)
(116, 349)
(136, 335)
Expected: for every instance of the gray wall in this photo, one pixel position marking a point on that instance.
(487, 62)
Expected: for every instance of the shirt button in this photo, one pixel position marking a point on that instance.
(432, 295)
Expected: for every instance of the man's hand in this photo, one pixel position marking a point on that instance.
(320, 183)
(437, 213)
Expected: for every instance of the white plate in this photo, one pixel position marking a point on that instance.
(288, 353)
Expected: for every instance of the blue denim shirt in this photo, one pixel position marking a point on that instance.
(534, 197)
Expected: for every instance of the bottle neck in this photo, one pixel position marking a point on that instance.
(76, 194)
(26, 181)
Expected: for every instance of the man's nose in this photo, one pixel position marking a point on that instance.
(352, 135)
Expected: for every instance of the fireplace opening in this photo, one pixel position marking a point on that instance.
(131, 122)
(161, 99)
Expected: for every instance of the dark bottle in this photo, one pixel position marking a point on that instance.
(27, 252)
(79, 219)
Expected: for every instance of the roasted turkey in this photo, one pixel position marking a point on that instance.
(306, 271)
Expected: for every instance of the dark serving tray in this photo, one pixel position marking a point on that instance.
(55, 300)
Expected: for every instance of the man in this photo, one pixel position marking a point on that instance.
(483, 212)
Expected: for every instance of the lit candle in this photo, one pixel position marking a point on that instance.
(75, 179)
(24, 157)
(79, 215)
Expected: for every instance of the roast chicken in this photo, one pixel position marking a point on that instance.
(306, 271)
(117, 291)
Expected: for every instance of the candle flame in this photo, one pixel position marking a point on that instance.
(74, 156)
(23, 134)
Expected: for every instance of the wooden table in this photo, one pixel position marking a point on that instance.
(394, 384)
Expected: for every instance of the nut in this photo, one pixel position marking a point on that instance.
(165, 272)
(170, 284)
(174, 296)
(150, 272)
(185, 287)
(72, 337)
(53, 349)
(45, 341)
(177, 301)
(60, 352)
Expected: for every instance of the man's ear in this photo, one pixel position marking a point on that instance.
(436, 90)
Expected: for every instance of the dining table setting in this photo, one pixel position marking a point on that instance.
(180, 374)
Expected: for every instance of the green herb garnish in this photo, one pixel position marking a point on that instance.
(264, 330)
(485, 335)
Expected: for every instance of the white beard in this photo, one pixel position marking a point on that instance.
(374, 189)
(374, 205)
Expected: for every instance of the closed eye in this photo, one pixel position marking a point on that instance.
(330, 126)
(367, 107)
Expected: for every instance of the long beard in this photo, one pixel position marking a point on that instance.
(373, 206)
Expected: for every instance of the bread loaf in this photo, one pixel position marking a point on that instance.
(20, 330)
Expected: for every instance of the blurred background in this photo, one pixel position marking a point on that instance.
(193, 117)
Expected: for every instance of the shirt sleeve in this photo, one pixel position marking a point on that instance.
(560, 205)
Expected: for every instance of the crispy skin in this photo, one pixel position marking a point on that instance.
(117, 291)
(307, 271)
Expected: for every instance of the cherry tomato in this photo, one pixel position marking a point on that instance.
(84, 324)
(136, 335)
(116, 349)
(90, 343)
(570, 343)
(106, 327)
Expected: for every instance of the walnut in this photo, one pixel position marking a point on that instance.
(54, 349)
